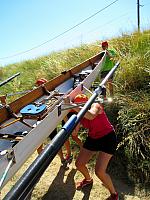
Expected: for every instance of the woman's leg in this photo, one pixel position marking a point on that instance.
(75, 136)
(40, 149)
(100, 170)
(60, 153)
(67, 147)
(110, 87)
(83, 158)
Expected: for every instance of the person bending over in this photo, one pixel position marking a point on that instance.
(101, 138)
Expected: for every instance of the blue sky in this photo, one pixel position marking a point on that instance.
(26, 24)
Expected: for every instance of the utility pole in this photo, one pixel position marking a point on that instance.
(138, 14)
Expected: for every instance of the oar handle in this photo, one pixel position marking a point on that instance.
(9, 79)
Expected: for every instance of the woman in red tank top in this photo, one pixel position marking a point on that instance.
(101, 138)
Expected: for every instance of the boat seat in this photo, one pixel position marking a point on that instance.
(33, 110)
(78, 78)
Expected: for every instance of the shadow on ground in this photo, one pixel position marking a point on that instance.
(60, 190)
(63, 186)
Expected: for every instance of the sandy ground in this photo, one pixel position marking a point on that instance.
(58, 183)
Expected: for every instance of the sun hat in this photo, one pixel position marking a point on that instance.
(105, 43)
(41, 81)
(80, 98)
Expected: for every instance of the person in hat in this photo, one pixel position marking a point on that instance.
(101, 139)
(41, 81)
(78, 99)
(108, 65)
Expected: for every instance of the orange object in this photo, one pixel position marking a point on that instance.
(80, 98)
(104, 44)
(41, 81)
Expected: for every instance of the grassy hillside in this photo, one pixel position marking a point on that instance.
(132, 83)
(131, 111)
(47, 67)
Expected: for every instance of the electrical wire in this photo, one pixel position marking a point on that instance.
(103, 25)
(50, 40)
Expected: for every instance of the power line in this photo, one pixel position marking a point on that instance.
(103, 25)
(23, 52)
(109, 22)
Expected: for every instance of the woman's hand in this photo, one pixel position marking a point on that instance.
(94, 111)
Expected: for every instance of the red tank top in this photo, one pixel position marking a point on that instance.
(98, 127)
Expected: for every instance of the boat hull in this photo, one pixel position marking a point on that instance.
(27, 146)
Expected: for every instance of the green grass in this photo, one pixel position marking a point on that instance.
(130, 112)
(132, 88)
(47, 67)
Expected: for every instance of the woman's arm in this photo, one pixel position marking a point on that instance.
(93, 112)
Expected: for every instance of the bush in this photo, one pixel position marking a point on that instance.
(133, 130)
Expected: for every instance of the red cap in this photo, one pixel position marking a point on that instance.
(80, 98)
(41, 81)
(105, 43)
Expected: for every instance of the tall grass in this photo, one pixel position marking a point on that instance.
(133, 131)
(131, 111)
(47, 67)
(132, 83)
(134, 53)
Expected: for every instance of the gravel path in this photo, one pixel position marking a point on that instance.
(58, 183)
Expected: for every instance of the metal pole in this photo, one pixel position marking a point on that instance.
(138, 14)
(9, 79)
(28, 180)
(6, 171)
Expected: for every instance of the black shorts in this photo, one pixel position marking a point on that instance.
(107, 143)
(70, 114)
(103, 74)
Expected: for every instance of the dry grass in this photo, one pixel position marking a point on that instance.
(59, 184)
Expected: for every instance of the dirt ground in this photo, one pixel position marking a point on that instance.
(58, 183)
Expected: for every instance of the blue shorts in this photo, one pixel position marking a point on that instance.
(107, 143)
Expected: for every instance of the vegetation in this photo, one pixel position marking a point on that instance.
(132, 83)
(131, 111)
(47, 67)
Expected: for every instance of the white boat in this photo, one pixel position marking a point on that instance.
(21, 133)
